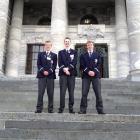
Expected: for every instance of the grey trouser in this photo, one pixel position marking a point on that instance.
(44, 83)
(67, 82)
(96, 85)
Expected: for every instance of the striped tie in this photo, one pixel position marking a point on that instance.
(90, 53)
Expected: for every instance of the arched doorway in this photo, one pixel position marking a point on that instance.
(88, 19)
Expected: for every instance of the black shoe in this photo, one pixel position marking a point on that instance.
(60, 111)
(38, 111)
(71, 111)
(101, 112)
(50, 111)
(82, 112)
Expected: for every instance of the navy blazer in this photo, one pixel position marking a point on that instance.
(46, 63)
(90, 64)
(67, 59)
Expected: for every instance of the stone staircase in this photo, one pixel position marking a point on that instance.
(21, 126)
(19, 122)
(119, 96)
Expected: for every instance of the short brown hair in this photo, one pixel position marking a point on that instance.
(89, 41)
(48, 41)
(67, 38)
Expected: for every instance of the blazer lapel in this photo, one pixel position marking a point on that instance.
(87, 58)
(65, 55)
(51, 55)
(45, 55)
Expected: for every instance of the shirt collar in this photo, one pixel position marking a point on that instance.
(90, 51)
(48, 52)
(67, 49)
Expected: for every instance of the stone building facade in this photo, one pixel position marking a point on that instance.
(114, 26)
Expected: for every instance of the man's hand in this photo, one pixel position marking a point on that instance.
(46, 73)
(67, 73)
(91, 73)
(66, 70)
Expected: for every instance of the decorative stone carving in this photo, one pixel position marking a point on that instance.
(91, 31)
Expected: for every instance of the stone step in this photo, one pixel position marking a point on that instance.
(67, 126)
(27, 134)
(114, 92)
(66, 117)
(34, 88)
(105, 82)
(77, 93)
(31, 85)
(73, 126)
(47, 121)
(30, 100)
(109, 110)
(118, 95)
(125, 106)
(107, 94)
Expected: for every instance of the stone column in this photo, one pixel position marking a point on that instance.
(133, 19)
(14, 43)
(122, 39)
(4, 4)
(59, 23)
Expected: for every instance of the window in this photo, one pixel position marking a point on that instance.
(32, 54)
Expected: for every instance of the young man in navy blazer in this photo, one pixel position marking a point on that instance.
(67, 60)
(90, 67)
(46, 63)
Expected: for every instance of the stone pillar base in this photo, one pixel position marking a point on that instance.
(134, 76)
(2, 75)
